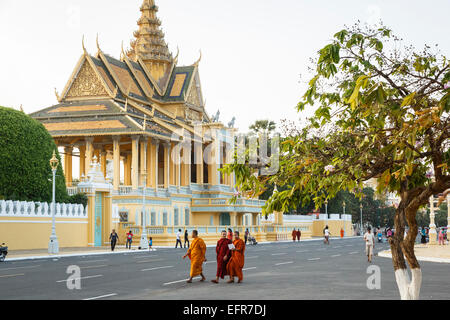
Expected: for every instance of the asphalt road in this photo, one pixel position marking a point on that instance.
(282, 271)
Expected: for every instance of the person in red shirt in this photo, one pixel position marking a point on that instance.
(230, 234)
(223, 255)
(129, 239)
(299, 234)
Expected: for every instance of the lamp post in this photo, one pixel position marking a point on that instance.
(144, 240)
(361, 222)
(53, 245)
(326, 208)
(343, 223)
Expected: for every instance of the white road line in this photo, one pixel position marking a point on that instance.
(313, 259)
(178, 281)
(301, 251)
(100, 297)
(251, 257)
(336, 255)
(29, 267)
(282, 263)
(92, 267)
(92, 261)
(145, 257)
(337, 247)
(349, 245)
(157, 268)
(354, 252)
(12, 275)
(252, 268)
(321, 249)
(148, 261)
(278, 254)
(82, 278)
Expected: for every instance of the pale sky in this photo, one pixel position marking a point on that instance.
(253, 50)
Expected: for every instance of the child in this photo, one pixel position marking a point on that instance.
(150, 242)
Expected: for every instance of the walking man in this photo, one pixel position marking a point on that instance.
(114, 237)
(186, 238)
(246, 236)
(299, 234)
(179, 239)
(129, 240)
(197, 254)
(294, 234)
(370, 242)
(234, 267)
(223, 255)
(326, 234)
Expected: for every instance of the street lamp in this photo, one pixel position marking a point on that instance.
(343, 223)
(144, 240)
(361, 222)
(326, 208)
(53, 245)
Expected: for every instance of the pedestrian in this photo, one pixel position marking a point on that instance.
(186, 238)
(230, 234)
(294, 234)
(129, 240)
(150, 243)
(197, 254)
(179, 239)
(389, 233)
(236, 263)
(326, 233)
(370, 243)
(342, 232)
(299, 234)
(423, 234)
(223, 255)
(246, 235)
(114, 237)
(441, 236)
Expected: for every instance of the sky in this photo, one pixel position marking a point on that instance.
(255, 52)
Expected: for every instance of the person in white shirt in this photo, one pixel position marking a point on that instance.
(326, 233)
(179, 239)
(369, 238)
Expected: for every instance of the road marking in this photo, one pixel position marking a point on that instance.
(92, 267)
(337, 247)
(252, 268)
(321, 249)
(278, 254)
(100, 297)
(157, 268)
(252, 257)
(349, 245)
(145, 257)
(354, 252)
(178, 281)
(92, 261)
(313, 259)
(302, 251)
(148, 261)
(336, 255)
(282, 263)
(28, 267)
(82, 278)
(12, 275)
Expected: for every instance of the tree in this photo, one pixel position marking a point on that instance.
(381, 111)
(263, 126)
(25, 151)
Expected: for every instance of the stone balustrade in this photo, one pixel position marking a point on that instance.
(10, 208)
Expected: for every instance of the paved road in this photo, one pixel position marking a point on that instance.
(306, 270)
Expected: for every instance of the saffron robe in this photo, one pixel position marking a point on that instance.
(299, 234)
(196, 253)
(222, 250)
(236, 263)
(294, 235)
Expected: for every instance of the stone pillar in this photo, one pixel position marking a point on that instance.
(103, 161)
(68, 165)
(143, 166)
(199, 162)
(172, 169)
(149, 165)
(135, 162)
(127, 166)
(178, 166)
(107, 217)
(255, 219)
(432, 233)
(89, 154)
(82, 150)
(166, 165)
(233, 220)
(116, 163)
(156, 165)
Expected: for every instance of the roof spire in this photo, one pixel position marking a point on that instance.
(149, 45)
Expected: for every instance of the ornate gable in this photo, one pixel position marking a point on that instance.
(86, 84)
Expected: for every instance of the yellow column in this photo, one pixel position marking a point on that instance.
(166, 165)
(199, 162)
(156, 164)
(128, 169)
(107, 216)
(68, 165)
(233, 216)
(135, 162)
(172, 169)
(116, 163)
(82, 150)
(143, 171)
(214, 174)
(89, 154)
(178, 166)
(149, 165)
(103, 155)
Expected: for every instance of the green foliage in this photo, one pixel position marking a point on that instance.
(263, 126)
(25, 151)
(79, 198)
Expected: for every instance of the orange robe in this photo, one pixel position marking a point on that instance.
(236, 263)
(197, 253)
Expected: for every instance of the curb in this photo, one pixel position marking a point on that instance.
(81, 254)
(386, 254)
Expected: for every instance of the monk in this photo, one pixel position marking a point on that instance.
(223, 255)
(299, 234)
(294, 235)
(236, 263)
(196, 253)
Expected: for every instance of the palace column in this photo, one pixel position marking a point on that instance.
(103, 162)
(143, 171)
(89, 154)
(116, 162)
(233, 216)
(135, 162)
(172, 169)
(167, 165)
(178, 165)
(149, 165)
(156, 164)
(68, 165)
(127, 166)
(215, 162)
(199, 162)
(82, 150)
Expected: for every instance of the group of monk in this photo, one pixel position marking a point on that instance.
(229, 254)
(296, 234)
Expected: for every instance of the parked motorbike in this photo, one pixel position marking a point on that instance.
(380, 237)
(3, 252)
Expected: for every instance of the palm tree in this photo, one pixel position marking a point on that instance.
(263, 126)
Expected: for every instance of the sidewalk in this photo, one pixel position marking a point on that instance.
(18, 255)
(426, 252)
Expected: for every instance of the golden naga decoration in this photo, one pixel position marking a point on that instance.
(86, 84)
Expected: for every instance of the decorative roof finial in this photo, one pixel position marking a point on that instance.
(82, 44)
(199, 59)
